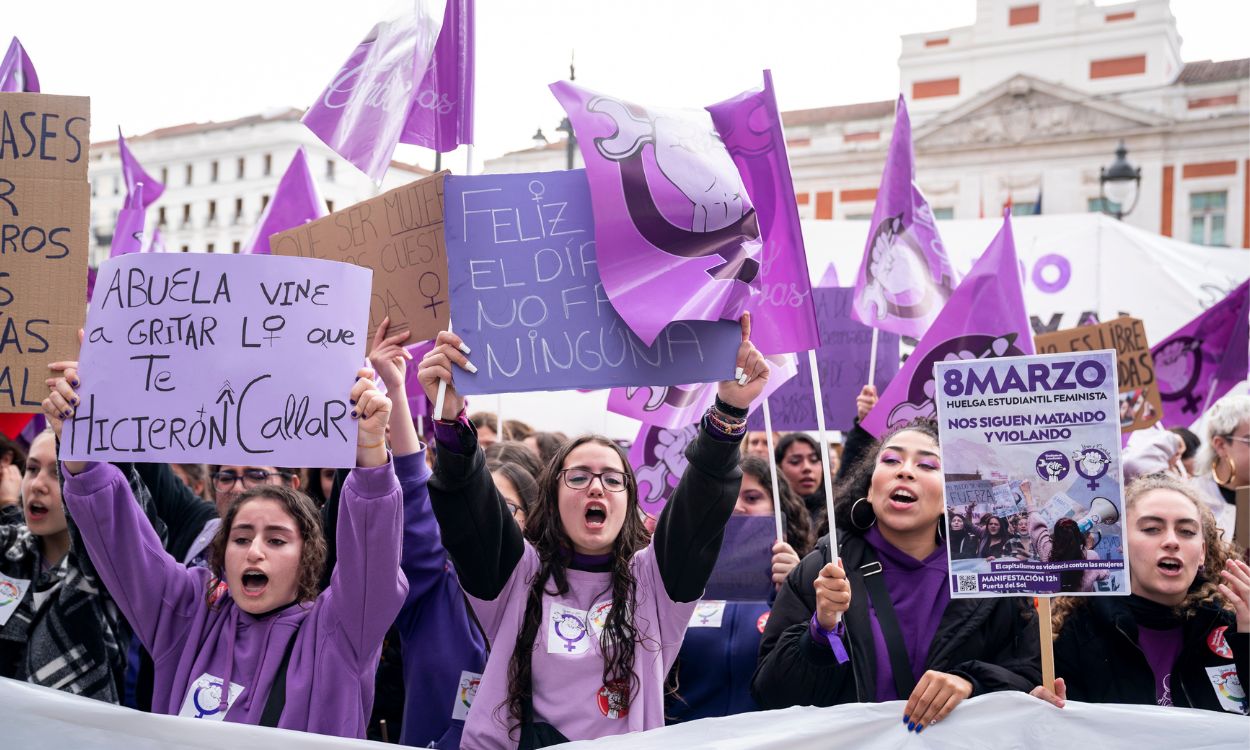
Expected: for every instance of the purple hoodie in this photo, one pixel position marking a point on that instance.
(199, 648)
(440, 641)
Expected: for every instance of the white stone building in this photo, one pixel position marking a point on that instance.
(1026, 105)
(218, 178)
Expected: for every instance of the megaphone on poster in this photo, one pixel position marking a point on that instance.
(1100, 511)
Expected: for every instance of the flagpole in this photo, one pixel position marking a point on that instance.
(442, 388)
(503, 431)
(872, 358)
(824, 451)
(772, 472)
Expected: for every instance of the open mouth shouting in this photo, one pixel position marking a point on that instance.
(596, 513)
(36, 511)
(255, 582)
(902, 499)
(1170, 566)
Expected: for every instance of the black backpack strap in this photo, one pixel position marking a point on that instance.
(277, 693)
(900, 664)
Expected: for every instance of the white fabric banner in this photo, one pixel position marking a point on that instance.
(42, 717)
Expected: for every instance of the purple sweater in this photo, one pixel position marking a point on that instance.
(439, 639)
(198, 649)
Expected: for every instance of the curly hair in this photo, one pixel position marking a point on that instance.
(1206, 588)
(546, 533)
(798, 523)
(858, 477)
(303, 511)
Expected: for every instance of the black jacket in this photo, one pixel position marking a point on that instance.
(1099, 659)
(992, 643)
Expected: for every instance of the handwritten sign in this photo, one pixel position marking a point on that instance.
(243, 359)
(1140, 404)
(1043, 433)
(527, 298)
(44, 203)
(845, 346)
(399, 236)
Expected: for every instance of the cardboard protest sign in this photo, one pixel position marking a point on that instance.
(842, 359)
(229, 359)
(528, 300)
(399, 236)
(1140, 405)
(1043, 433)
(44, 204)
(743, 570)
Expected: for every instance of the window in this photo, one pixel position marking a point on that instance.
(943, 213)
(186, 214)
(268, 164)
(238, 210)
(1096, 205)
(117, 182)
(330, 206)
(209, 249)
(242, 167)
(1021, 208)
(1207, 212)
(264, 202)
(235, 247)
(93, 188)
(164, 175)
(212, 172)
(190, 173)
(212, 213)
(329, 169)
(160, 216)
(858, 217)
(186, 248)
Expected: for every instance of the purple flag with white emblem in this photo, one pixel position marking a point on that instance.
(363, 112)
(128, 234)
(984, 318)
(675, 406)
(658, 456)
(134, 174)
(677, 236)
(1203, 360)
(441, 117)
(905, 276)
(295, 202)
(17, 72)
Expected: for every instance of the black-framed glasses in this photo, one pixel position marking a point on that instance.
(513, 509)
(580, 479)
(225, 480)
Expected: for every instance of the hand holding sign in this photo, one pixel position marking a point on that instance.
(435, 374)
(933, 698)
(374, 411)
(388, 357)
(833, 595)
(752, 372)
(784, 561)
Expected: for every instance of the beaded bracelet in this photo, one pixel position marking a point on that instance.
(730, 426)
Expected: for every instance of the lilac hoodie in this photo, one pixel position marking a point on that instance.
(199, 648)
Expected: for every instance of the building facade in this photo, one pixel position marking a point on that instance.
(1024, 108)
(219, 177)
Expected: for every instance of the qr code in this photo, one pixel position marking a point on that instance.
(967, 582)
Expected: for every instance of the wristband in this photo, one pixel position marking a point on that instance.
(730, 410)
(832, 638)
(370, 447)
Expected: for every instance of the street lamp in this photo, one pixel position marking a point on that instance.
(1120, 183)
(539, 139)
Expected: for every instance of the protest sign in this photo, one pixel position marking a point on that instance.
(843, 363)
(227, 359)
(528, 300)
(1140, 405)
(399, 236)
(658, 456)
(743, 571)
(44, 202)
(1043, 431)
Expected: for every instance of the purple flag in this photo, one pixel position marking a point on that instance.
(783, 317)
(295, 202)
(676, 234)
(905, 276)
(128, 234)
(17, 72)
(364, 110)
(658, 456)
(984, 318)
(157, 243)
(134, 174)
(679, 405)
(830, 279)
(1203, 360)
(442, 113)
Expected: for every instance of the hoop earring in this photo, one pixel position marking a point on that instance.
(852, 514)
(941, 529)
(1232, 471)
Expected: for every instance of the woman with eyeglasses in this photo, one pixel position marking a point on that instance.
(585, 612)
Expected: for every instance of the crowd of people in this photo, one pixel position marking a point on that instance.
(500, 587)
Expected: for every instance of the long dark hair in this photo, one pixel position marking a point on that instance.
(546, 534)
(798, 523)
(858, 479)
(1068, 543)
(307, 518)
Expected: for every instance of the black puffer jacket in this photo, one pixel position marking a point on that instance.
(1098, 657)
(992, 643)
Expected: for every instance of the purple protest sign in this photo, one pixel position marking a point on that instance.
(743, 570)
(363, 111)
(830, 278)
(658, 456)
(984, 318)
(526, 295)
(905, 276)
(843, 363)
(1204, 359)
(295, 202)
(134, 175)
(17, 72)
(679, 405)
(227, 359)
(442, 112)
(678, 236)
(782, 315)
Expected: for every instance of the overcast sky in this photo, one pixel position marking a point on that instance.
(152, 63)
